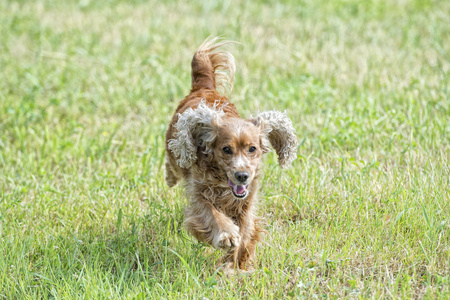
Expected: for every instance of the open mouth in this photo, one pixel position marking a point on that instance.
(239, 191)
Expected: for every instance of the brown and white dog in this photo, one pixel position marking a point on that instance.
(218, 154)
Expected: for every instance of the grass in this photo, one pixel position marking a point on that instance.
(87, 89)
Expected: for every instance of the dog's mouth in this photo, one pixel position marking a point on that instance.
(239, 191)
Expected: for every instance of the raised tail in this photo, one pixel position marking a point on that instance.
(213, 70)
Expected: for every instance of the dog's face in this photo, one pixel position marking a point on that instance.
(237, 152)
(234, 145)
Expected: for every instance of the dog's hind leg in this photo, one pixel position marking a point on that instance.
(171, 178)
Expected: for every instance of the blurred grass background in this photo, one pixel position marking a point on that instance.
(87, 89)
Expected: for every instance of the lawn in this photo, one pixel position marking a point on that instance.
(87, 89)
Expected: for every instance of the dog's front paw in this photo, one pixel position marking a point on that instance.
(227, 241)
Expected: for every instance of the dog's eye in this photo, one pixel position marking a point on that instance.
(252, 149)
(227, 150)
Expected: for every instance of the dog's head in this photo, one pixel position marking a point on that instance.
(233, 145)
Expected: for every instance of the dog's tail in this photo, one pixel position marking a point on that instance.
(213, 70)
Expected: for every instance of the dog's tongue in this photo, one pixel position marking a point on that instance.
(238, 189)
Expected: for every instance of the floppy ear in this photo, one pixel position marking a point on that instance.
(195, 128)
(277, 130)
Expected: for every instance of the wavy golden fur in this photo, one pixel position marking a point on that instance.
(218, 154)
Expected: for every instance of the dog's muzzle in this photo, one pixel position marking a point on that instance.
(239, 191)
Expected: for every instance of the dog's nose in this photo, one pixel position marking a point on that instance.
(242, 176)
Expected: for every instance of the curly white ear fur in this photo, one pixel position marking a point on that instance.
(277, 130)
(195, 128)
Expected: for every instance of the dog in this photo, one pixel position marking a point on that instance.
(218, 155)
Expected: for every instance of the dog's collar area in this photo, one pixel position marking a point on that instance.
(239, 191)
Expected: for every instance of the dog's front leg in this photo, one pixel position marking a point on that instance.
(211, 226)
(242, 256)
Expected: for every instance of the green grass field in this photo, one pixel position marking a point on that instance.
(87, 89)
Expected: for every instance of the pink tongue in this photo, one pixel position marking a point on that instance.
(238, 189)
